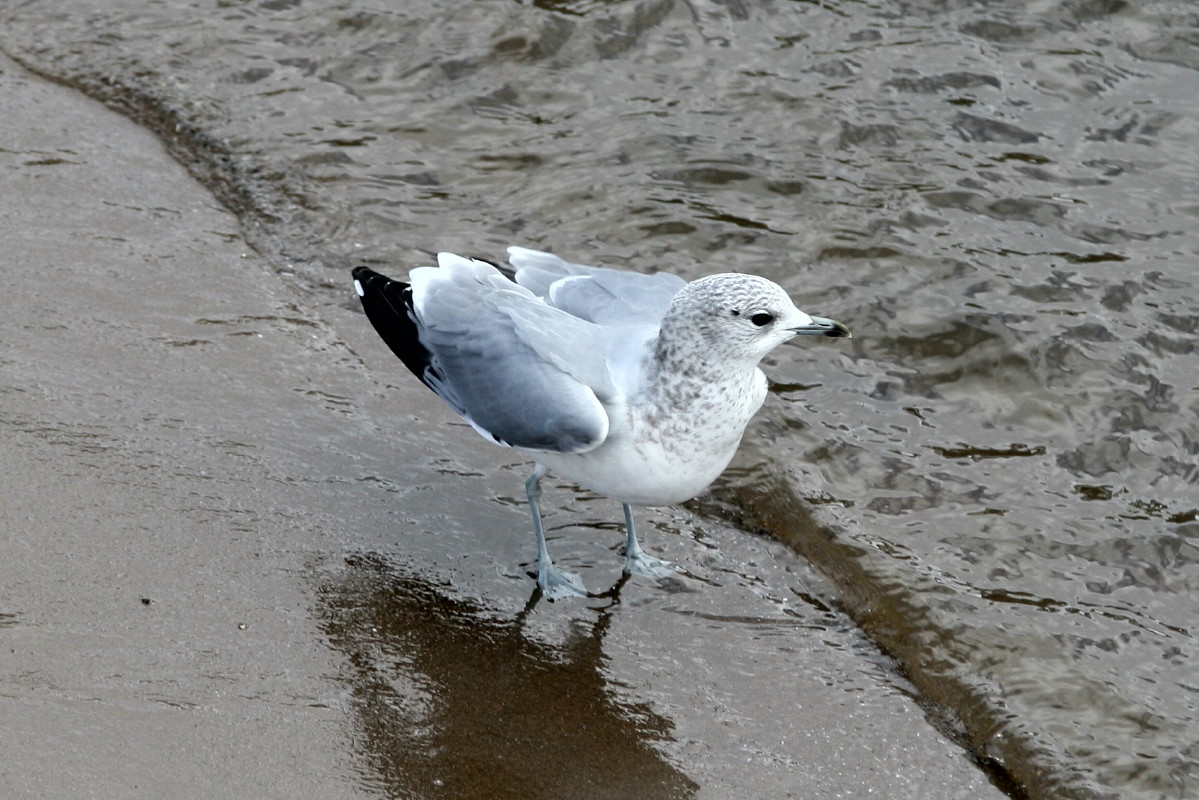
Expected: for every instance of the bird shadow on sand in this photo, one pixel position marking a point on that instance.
(450, 700)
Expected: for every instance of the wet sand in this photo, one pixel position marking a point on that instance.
(245, 556)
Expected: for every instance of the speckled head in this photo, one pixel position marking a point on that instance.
(737, 317)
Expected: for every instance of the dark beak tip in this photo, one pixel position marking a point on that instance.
(820, 326)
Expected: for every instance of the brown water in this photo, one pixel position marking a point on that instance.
(999, 474)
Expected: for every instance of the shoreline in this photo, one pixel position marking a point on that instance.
(198, 459)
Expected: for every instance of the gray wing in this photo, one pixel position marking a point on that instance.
(596, 294)
(520, 372)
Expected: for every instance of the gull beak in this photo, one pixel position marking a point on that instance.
(819, 326)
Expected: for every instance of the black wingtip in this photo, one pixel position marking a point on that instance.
(380, 294)
(362, 276)
(388, 306)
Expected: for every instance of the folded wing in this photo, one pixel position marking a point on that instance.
(521, 372)
(604, 296)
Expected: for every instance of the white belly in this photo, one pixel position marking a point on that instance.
(660, 462)
(647, 475)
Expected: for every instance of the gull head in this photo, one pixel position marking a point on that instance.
(741, 317)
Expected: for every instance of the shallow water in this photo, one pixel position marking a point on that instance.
(998, 471)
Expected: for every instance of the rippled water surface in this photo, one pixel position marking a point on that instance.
(999, 198)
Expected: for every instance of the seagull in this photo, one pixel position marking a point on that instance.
(637, 387)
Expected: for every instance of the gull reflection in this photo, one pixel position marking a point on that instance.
(453, 701)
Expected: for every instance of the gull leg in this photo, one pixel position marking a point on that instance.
(636, 561)
(554, 583)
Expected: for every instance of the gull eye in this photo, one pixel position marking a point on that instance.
(762, 319)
